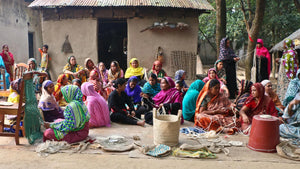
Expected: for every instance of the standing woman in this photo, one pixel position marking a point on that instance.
(229, 58)
(73, 70)
(7, 76)
(263, 61)
(287, 71)
(8, 59)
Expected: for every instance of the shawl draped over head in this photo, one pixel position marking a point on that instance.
(131, 71)
(159, 73)
(265, 105)
(76, 113)
(215, 103)
(190, 98)
(8, 64)
(86, 63)
(47, 101)
(221, 73)
(170, 95)
(206, 79)
(244, 93)
(289, 59)
(15, 85)
(263, 51)
(90, 69)
(58, 85)
(96, 105)
(226, 53)
(152, 90)
(34, 61)
(135, 92)
(117, 74)
(103, 74)
(73, 69)
(292, 90)
(265, 82)
(178, 76)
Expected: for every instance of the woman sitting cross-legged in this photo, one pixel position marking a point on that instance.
(244, 93)
(256, 104)
(96, 105)
(213, 110)
(48, 104)
(116, 104)
(75, 126)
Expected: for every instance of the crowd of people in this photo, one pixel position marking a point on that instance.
(93, 96)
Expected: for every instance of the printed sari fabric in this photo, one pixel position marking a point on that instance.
(220, 73)
(178, 77)
(215, 122)
(115, 75)
(57, 89)
(76, 113)
(74, 69)
(244, 93)
(264, 105)
(151, 90)
(292, 90)
(9, 62)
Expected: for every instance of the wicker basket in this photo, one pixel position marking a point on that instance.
(166, 128)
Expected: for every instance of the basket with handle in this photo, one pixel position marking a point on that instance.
(166, 128)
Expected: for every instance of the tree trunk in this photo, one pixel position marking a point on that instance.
(254, 30)
(297, 4)
(221, 23)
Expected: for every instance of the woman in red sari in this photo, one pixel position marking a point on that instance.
(256, 104)
(213, 110)
(8, 59)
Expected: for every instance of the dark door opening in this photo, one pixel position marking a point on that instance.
(112, 42)
(30, 45)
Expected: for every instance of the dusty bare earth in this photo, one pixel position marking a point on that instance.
(24, 156)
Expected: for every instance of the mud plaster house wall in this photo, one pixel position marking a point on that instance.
(144, 45)
(16, 20)
(82, 37)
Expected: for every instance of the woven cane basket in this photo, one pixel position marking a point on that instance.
(166, 128)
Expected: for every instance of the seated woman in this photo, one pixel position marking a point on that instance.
(116, 104)
(62, 81)
(89, 66)
(179, 86)
(97, 106)
(135, 70)
(98, 85)
(73, 70)
(77, 82)
(38, 78)
(189, 100)
(169, 98)
(157, 70)
(133, 90)
(75, 126)
(48, 104)
(7, 76)
(213, 110)
(212, 74)
(244, 93)
(292, 116)
(151, 88)
(103, 73)
(256, 104)
(14, 90)
(269, 92)
(180, 76)
(115, 72)
(292, 90)
(220, 71)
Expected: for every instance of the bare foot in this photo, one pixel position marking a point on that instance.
(141, 123)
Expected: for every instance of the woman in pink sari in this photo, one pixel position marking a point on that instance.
(96, 105)
(212, 74)
(98, 85)
(8, 59)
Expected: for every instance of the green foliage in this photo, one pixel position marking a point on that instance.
(280, 20)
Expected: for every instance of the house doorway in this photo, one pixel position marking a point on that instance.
(112, 42)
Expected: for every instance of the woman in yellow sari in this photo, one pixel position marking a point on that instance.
(135, 70)
(73, 70)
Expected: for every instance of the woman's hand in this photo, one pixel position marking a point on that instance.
(236, 59)
(245, 119)
(161, 105)
(132, 113)
(46, 125)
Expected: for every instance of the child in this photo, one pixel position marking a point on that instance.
(44, 58)
(179, 87)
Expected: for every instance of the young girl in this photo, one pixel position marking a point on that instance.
(180, 76)
(157, 70)
(116, 104)
(212, 74)
(48, 104)
(220, 71)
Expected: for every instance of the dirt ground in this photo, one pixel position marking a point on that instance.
(24, 156)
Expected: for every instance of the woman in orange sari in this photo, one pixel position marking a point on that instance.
(213, 110)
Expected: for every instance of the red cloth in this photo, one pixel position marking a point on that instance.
(8, 64)
(71, 137)
(263, 51)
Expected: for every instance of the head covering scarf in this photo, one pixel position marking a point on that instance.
(178, 76)
(47, 101)
(226, 53)
(263, 51)
(96, 105)
(34, 61)
(206, 79)
(15, 85)
(170, 95)
(289, 59)
(76, 113)
(131, 71)
(190, 98)
(8, 64)
(221, 73)
(156, 63)
(95, 80)
(261, 95)
(135, 92)
(292, 90)
(86, 63)
(77, 81)
(244, 93)
(58, 84)
(265, 82)
(103, 73)
(115, 75)
(152, 90)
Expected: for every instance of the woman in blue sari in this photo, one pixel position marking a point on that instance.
(7, 76)
(189, 100)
